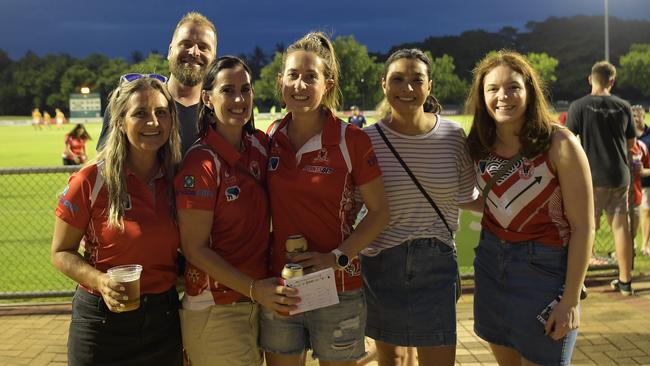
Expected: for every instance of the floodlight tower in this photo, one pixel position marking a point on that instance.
(607, 30)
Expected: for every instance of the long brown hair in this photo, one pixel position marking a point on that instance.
(536, 132)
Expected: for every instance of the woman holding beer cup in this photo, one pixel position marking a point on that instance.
(224, 218)
(316, 164)
(121, 206)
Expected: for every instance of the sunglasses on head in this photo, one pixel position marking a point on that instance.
(135, 76)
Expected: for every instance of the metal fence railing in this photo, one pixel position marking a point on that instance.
(28, 197)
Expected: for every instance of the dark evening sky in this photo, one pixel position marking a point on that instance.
(117, 27)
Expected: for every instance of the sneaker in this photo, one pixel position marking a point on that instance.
(624, 288)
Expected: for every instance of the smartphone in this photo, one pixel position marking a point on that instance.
(546, 312)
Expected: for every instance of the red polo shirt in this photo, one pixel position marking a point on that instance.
(312, 190)
(150, 237)
(216, 177)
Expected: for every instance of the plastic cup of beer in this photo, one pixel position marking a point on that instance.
(128, 276)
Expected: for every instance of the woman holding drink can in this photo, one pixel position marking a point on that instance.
(224, 219)
(316, 164)
(121, 206)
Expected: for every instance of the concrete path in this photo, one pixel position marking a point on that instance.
(615, 330)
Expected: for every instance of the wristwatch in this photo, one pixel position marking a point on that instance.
(342, 260)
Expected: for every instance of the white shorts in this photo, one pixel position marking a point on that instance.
(645, 200)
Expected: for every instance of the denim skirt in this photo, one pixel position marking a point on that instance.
(514, 282)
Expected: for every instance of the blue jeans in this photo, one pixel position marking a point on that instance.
(150, 335)
(513, 284)
(334, 333)
(411, 294)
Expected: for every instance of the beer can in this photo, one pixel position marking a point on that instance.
(296, 244)
(291, 270)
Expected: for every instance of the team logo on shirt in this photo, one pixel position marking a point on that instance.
(321, 157)
(232, 193)
(188, 181)
(318, 169)
(65, 190)
(255, 169)
(274, 161)
(526, 169)
(372, 160)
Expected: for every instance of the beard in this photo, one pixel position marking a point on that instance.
(187, 75)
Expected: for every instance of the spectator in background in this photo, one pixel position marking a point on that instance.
(562, 118)
(606, 130)
(356, 118)
(36, 119)
(191, 50)
(639, 167)
(643, 134)
(75, 146)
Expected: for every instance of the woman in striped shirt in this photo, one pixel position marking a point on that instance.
(410, 269)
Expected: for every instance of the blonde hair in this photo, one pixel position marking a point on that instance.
(603, 72)
(114, 153)
(319, 44)
(194, 17)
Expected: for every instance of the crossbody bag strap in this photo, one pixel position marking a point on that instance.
(413, 178)
(500, 173)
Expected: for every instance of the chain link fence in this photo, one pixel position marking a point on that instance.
(28, 197)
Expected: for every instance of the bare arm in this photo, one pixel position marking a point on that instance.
(476, 205)
(631, 142)
(574, 175)
(195, 227)
(371, 225)
(66, 258)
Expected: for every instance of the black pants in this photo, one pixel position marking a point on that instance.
(150, 335)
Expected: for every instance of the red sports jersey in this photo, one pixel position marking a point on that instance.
(525, 204)
(75, 144)
(216, 177)
(150, 237)
(640, 159)
(312, 190)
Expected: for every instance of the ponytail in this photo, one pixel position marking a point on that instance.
(320, 44)
(431, 105)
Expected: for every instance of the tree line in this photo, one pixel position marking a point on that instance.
(561, 49)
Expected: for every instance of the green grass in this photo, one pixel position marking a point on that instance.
(27, 204)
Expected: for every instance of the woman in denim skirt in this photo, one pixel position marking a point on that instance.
(538, 222)
(410, 269)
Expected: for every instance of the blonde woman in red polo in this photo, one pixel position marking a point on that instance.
(121, 205)
(316, 164)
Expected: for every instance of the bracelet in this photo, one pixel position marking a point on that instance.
(250, 291)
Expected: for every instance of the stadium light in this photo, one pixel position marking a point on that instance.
(607, 30)
(85, 90)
